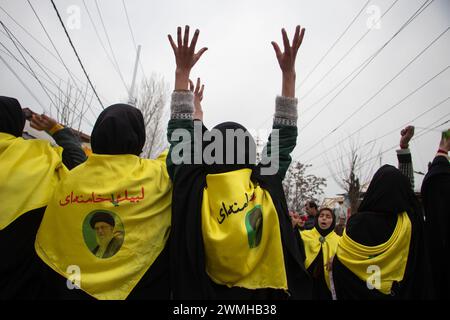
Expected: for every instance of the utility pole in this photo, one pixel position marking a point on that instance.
(131, 98)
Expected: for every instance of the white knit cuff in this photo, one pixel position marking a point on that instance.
(286, 111)
(182, 105)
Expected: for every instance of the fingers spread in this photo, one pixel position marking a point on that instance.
(186, 37)
(172, 43)
(199, 54)
(302, 34)
(194, 40)
(276, 48)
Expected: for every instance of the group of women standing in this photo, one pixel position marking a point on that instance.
(116, 226)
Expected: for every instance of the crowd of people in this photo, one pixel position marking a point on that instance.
(204, 220)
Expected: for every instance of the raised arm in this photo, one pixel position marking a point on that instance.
(404, 154)
(73, 154)
(285, 119)
(182, 103)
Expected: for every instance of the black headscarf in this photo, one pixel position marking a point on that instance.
(327, 231)
(247, 149)
(119, 129)
(389, 194)
(12, 119)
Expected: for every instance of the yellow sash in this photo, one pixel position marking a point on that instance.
(313, 245)
(390, 257)
(30, 170)
(136, 193)
(241, 233)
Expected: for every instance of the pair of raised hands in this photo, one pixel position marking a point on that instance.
(186, 57)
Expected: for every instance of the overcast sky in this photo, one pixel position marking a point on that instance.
(241, 73)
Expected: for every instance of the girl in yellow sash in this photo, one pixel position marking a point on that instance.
(320, 246)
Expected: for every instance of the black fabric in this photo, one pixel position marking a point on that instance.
(188, 276)
(12, 119)
(436, 194)
(327, 231)
(119, 129)
(19, 278)
(320, 289)
(102, 216)
(388, 195)
(245, 151)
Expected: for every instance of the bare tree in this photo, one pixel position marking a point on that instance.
(353, 171)
(300, 187)
(71, 105)
(152, 98)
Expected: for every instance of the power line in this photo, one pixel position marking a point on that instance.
(39, 64)
(415, 15)
(380, 137)
(333, 45)
(396, 145)
(382, 88)
(33, 73)
(371, 121)
(110, 46)
(60, 58)
(76, 53)
(23, 84)
(346, 54)
(132, 36)
(26, 61)
(51, 41)
(103, 45)
(71, 74)
(326, 54)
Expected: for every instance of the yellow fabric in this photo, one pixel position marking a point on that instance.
(30, 170)
(311, 241)
(241, 233)
(391, 257)
(137, 192)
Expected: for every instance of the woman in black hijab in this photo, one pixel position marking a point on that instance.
(320, 247)
(436, 194)
(12, 119)
(389, 217)
(119, 129)
(30, 169)
(195, 255)
(117, 140)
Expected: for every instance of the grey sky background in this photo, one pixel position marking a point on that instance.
(241, 73)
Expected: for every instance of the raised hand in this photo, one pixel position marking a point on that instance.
(286, 59)
(406, 135)
(185, 56)
(198, 97)
(42, 122)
